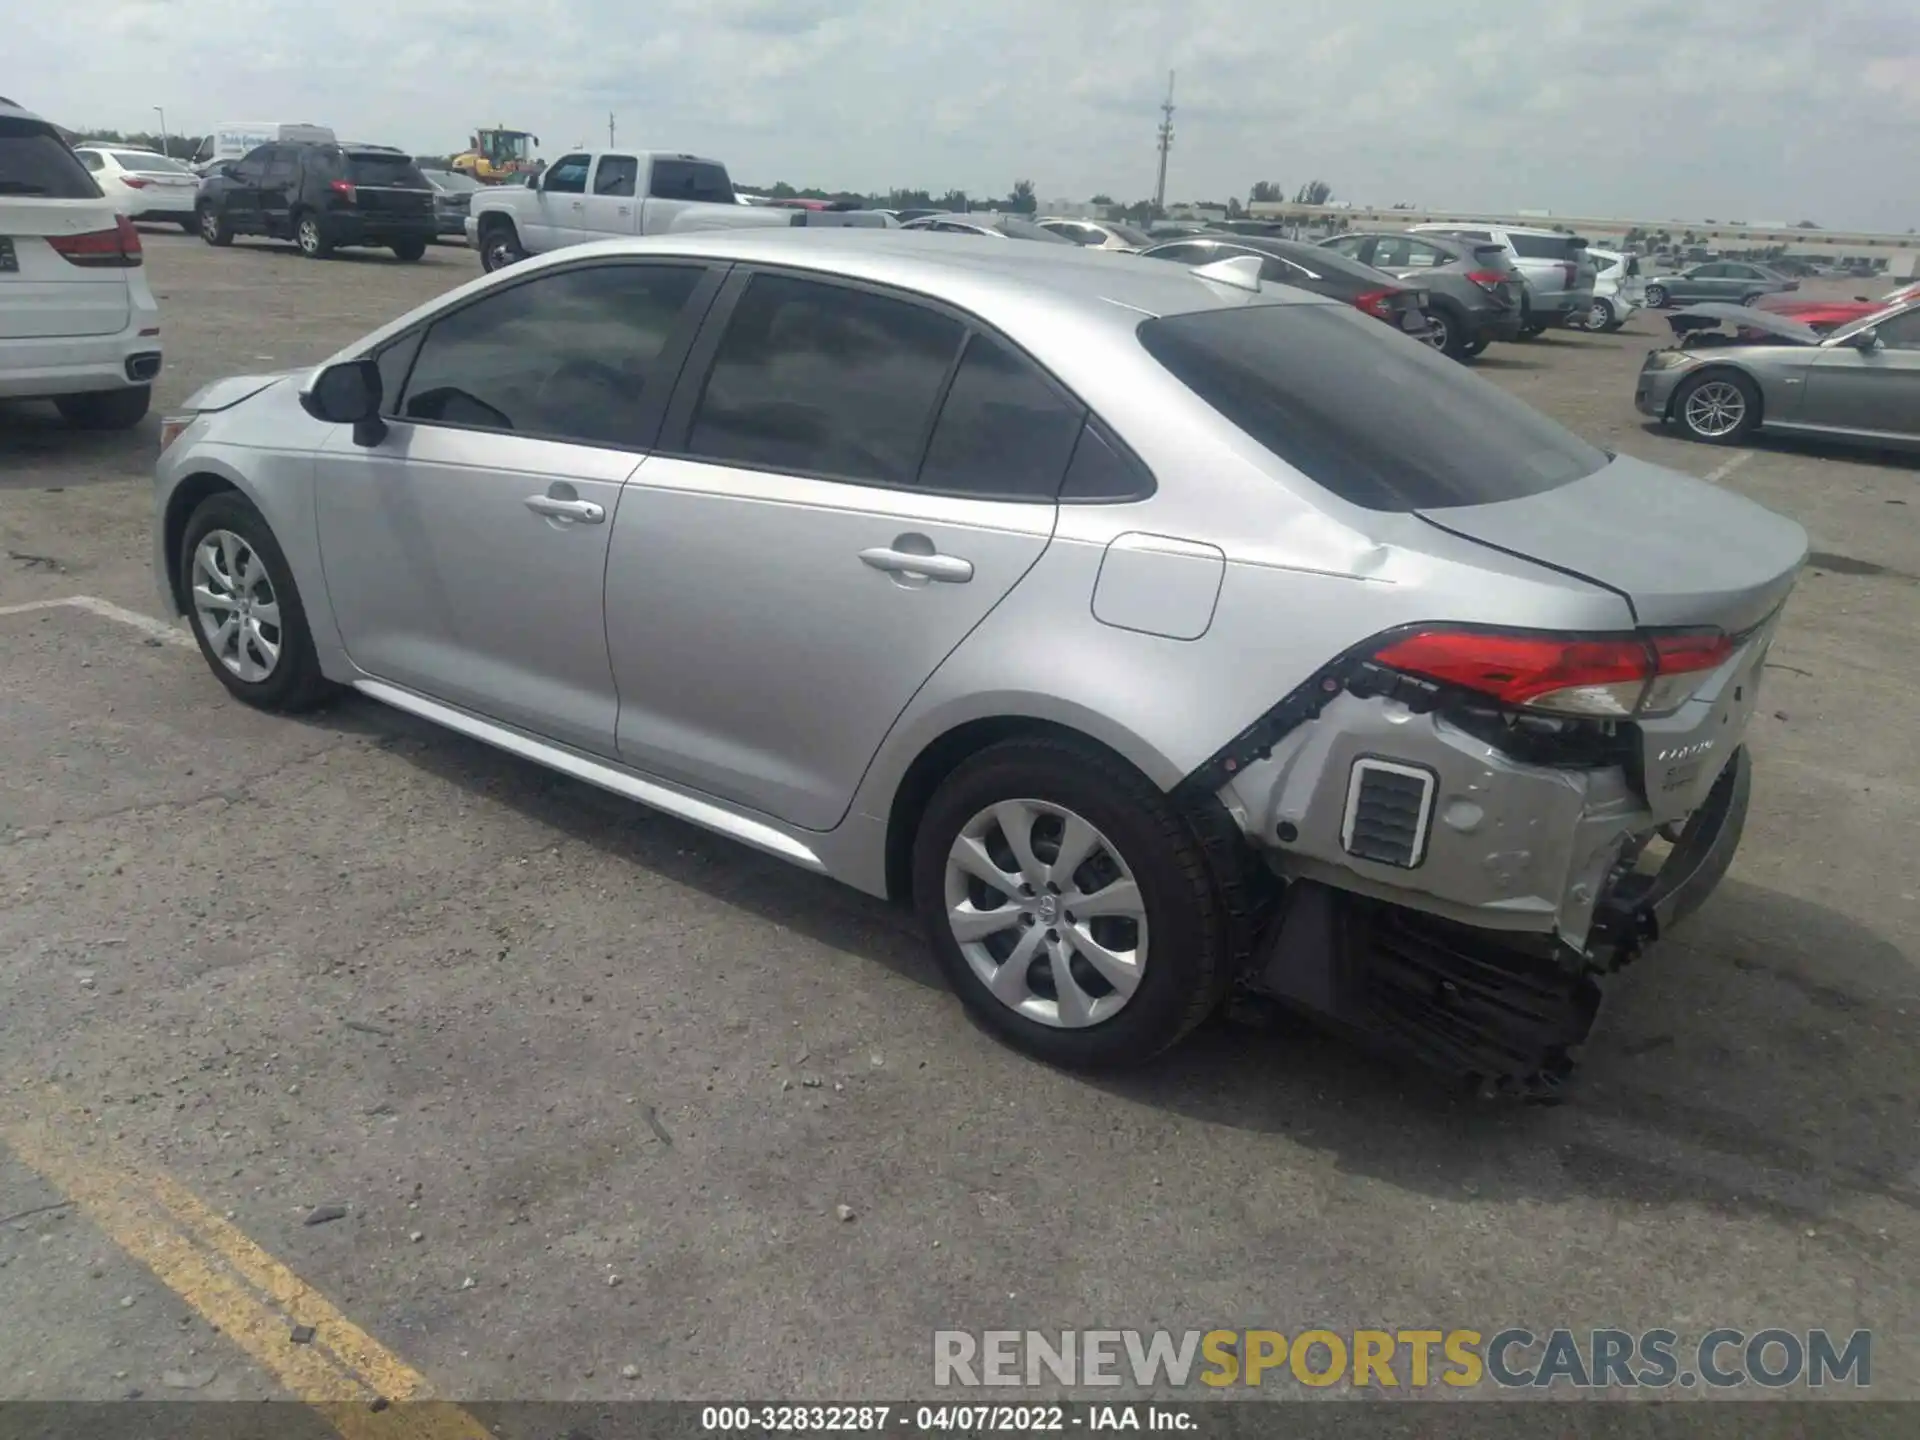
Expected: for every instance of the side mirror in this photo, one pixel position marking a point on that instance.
(1866, 341)
(349, 394)
(230, 170)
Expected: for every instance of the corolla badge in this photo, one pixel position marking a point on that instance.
(1686, 752)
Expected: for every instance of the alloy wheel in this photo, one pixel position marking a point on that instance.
(308, 235)
(235, 606)
(209, 225)
(1600, 316)
(1656, 296)
(1047, 913)
(1715, 408)
(1439, 333)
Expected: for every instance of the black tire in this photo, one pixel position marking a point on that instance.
(499, 245)
(106, 409)
(1749, 418)
(295, 682)
(1657, 297)
(1754, 299)
(1457, 332)
(1600, 315)
(311, 236)
(410, 250)
(1187, 969)
(1478, 346)
(213, 226)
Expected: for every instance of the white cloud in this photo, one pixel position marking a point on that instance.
(1629, 107)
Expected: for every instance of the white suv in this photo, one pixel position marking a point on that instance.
(78, 325)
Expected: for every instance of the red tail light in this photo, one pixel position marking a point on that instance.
(344, 188)
(1377, 303)
(1605, 677)
(1488, 280)
(119, 246)
(135, 181)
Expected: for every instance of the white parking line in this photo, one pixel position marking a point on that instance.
(146, 624)
(1727, 467)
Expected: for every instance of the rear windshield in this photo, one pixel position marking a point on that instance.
(35, 161)
(1128, 234)
(1547, 247)
(1018, 229)
(372, 168)
(691, 180)
(1377, 420)
(153, 164)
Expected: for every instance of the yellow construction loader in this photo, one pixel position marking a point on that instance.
(499, 156)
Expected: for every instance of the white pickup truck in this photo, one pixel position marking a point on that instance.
(598, 194)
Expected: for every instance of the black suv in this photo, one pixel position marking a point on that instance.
(320, 197)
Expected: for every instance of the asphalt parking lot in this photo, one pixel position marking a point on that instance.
(595, 1090)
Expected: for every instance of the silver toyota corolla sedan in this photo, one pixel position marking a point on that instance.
(1154, 632)
(1734, 370)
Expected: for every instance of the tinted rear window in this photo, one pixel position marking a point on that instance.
(691, 180)
(1372, 417)
(1543, 247)
(153, 164)
(374, 169)
(35, 161)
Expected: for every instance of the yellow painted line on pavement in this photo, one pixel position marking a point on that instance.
(252, 1298)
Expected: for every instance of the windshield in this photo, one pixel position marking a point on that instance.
(138, 160)
(374, 168)
(1305, 381)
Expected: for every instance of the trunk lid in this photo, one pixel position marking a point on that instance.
(42, 295)
(1680, 551)
(1683, 553)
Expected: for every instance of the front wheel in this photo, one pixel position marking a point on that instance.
(1600, 316)
(1720, 407)
(213, 226)
(500, 246)
(311, 237)
(410, 249)
(244, 609)
(1069, 904)
(1656, 297)
(106, 409)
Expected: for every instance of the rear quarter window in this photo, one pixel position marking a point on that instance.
(1374, 418)
(691, 180)
(1543, 247)
(34, 161)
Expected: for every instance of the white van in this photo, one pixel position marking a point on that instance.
(232, 139)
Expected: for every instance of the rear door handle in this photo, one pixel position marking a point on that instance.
(950, 568)
(584, 511)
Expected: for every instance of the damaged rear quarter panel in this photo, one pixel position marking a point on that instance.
(1511, 846)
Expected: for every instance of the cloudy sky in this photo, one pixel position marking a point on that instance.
(1766, 109)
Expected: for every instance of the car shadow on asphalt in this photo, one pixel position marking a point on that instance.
(1803, 447)
(32, 431)
(1760, 1061)
(357, 255)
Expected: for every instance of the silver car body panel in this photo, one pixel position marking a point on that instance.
(745, 669)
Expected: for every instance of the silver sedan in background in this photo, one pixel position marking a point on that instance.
(1152, 631)
(1734, 371)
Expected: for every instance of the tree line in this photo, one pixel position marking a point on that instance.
(1022, 199)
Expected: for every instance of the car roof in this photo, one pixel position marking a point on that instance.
(14, 111)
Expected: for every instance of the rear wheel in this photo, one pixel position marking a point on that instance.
(1752, 300)
(1069, 904)
(410, 249)
(1720, 407)
(213, 226)
(500, 245)
(1656, 297)
(1477, 346)
(311, 236)
(1600, 316)
(1449, 332)
(244, 609)
(105, 409)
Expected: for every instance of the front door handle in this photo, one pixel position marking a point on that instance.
(554, 508)
(950, 568)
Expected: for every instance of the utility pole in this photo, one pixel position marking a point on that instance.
(1166, 144)
(610, 140)
(161, 111)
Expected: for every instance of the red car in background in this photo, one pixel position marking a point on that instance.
(1828, 315)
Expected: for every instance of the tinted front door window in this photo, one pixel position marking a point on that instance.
(567, 356)
(817, 379)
